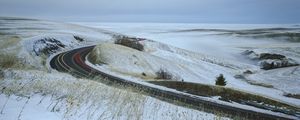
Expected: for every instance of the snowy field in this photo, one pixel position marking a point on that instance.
(217, 49)
(191, 52)
(30, 90)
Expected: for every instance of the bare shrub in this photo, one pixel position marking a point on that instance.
(163, 74)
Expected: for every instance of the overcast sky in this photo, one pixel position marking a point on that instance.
(196, 11)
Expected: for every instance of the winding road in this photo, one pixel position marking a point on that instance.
(73, 62)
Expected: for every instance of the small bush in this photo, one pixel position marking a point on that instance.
(163, 74)
(220, 80)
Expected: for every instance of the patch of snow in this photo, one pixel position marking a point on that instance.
(284, 79)
(23, 108)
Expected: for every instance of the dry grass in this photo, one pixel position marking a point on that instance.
(80, 95)
(8, 60)
(93, 56)
(226, 94)
(8, 41)
(8, 49)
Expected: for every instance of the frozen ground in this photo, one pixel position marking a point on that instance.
(217, 49)
(30, 90)
(28, 86)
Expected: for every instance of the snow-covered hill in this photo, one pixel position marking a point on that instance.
(31, 90)
(223, 56)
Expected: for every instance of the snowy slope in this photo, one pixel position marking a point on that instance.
(31, 94)
(214, 54)
(29, 90)
(129, 62)
(30, 87)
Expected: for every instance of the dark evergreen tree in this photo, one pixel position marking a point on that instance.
(220, 80)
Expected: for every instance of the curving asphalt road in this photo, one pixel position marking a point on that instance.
(73, 63)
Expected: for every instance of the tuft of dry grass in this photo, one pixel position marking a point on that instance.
(8, 48)
(7, 60)
(92, 57)
(9, 41)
